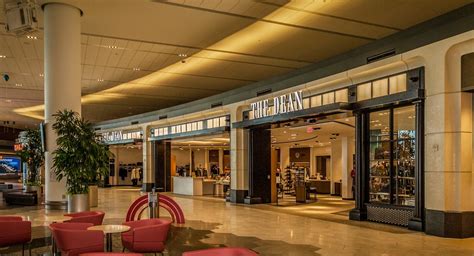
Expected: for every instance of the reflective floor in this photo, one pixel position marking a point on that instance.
(320, 228)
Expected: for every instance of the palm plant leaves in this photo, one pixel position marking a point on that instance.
(79, 157)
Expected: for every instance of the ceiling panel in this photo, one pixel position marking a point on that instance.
(187, 50)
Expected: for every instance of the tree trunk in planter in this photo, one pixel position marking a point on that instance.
(78, 203)
(93, 195)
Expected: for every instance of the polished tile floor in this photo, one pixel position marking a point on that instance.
(319, 228)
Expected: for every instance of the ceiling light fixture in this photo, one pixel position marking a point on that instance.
(41, 75)
(32, 37)
(100, 79)
(136, 69)
(8, 101)
(112, 47)
(183, 55)
(3, 56)
(18, 85)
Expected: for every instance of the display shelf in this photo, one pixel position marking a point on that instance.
(376, 176)
(379, 193)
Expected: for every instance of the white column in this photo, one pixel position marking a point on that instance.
(221, 160)
(206, 161)
(62, 77)
(347, 144)
(239, 174)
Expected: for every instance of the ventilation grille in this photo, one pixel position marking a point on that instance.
(381, 55)
(394, 216)
(215, 105)
(162, 117)
(134, 122)
(266, 91)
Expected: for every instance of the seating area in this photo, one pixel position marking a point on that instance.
(85, 234)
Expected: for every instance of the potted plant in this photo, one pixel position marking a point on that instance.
(80, 157)
(32, 155)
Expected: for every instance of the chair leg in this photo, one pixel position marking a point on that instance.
(123, 250)
(29, 248)
(23, 250)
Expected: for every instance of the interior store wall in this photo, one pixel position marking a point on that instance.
(125, 156)
(319, 151)
(182, 156)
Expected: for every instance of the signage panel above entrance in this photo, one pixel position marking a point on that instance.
(282, 104)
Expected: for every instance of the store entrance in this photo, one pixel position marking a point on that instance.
(316, 157)
(310, 159)
(200, 166)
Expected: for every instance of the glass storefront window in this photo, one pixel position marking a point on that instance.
(342, 95)
(364, 91)
(379, 175)
(398, 83)
(328, 98)
(316, 101)
(380, 88)
(404, 155)
(392, 156)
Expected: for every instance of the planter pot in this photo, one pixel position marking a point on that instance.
(78, 203)
(93, 195)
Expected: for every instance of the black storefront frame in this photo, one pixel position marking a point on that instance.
(416, 221)
(414, 94)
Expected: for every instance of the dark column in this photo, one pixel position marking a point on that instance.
(417, 222)
(259, 165)
(362, 154)
(162, 157)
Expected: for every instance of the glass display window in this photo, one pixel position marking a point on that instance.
(392, 156)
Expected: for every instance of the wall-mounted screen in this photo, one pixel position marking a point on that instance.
(9, 165)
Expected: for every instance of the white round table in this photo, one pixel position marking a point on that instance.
(108, 231)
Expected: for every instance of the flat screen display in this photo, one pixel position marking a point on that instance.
(9, 165)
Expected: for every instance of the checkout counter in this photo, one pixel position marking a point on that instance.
(199, 186)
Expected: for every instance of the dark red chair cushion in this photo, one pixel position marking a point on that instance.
(111, 254)
(146, 235)
(14, 232)
(94, 217)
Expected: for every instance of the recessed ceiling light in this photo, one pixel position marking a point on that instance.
(18, 85)
(183, 55)
(32, 37)
(347, 120)
(8, 101)
(112, 47)
(136, 69)
(100, 79)
(41, 75)
(3, 56)
(294, 134)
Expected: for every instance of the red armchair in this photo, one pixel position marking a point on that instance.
(111, 254)
(15, 231)
(72, 239)
(146, 235)
(94, 217)
(225, 251)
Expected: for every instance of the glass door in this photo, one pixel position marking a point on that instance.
(392, 156)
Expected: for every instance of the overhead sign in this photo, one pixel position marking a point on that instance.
(281, 104)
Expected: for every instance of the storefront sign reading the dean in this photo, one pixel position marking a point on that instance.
(281, 104)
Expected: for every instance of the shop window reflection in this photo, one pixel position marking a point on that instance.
(392, 156)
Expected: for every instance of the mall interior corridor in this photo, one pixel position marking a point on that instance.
(264, 229)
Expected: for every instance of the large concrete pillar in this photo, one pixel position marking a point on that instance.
(62, 77)
(239, 174)
(449, 178)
